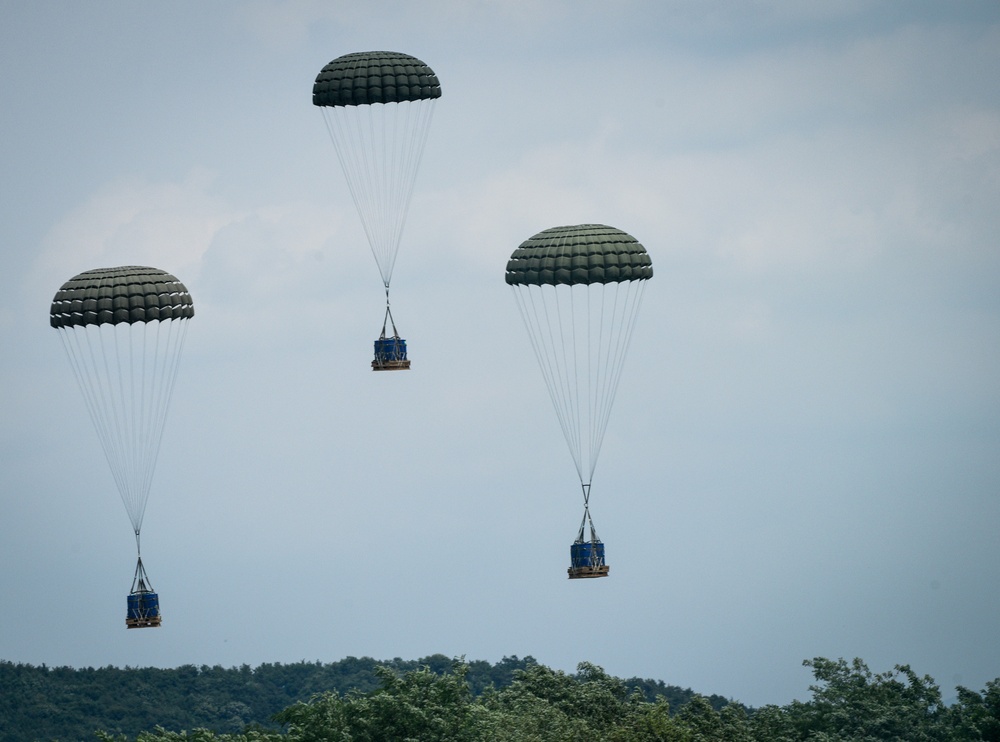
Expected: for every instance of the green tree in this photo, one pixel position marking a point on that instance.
(419, 705)
(197, 735)
(590, 704)
(976, 716)
(435, 702)
(850, 702)
(772, 723)
(542, 704)
(651, 722)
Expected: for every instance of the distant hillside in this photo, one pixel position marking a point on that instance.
(66, 704)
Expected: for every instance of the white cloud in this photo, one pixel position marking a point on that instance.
(250, 260)
(133, 221)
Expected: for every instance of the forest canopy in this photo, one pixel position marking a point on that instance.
(453, 700)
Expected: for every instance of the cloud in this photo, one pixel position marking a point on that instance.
(132, 221)
(246, 262)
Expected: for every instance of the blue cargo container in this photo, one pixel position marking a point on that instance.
(587, 554)
(134, 608)
(143, 607)
(388, 350)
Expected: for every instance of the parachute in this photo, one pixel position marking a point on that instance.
(378, 107)
(123, 330)
(578, 289)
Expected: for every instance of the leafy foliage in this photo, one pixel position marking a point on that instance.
(851, 702)
(444, 700)
(45, 703)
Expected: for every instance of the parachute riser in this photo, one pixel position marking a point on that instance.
(387, 319)
(587, 556)
(587, 520)
(140, 581)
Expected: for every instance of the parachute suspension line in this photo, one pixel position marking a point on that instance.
(115, 448)
(128, 415)
(573, 372)
(612, 350)
(84, 362)
(529, 311)
(131, 422)
(387, 202)
(379, 174)
(525, 301)
(582, 390)
(549, 346)
(173, 357)
(117, 399)
(128, 402)
(565, 374)
(592, 376)
(135, 413)
(145, 435)
(380, 146)
(345, 127)
(632, 300)
(412, 138)
(600, 402)
(606, 351)
(166, 362)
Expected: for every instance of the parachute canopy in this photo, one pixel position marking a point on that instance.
(581, 254)
(579, 288)
(115, 295)
(123, 329)
(378, 108)
(374, 77)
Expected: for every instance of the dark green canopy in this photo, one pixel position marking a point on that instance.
(115, 295)
(374, 77)
(579, 254)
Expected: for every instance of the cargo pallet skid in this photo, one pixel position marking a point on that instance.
(576, 573)
(142, 623)
(390, 365)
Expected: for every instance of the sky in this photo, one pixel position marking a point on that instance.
(803, 459)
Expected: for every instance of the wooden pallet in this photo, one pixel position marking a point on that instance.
(390, 365)
(142, 623)
(578, 573)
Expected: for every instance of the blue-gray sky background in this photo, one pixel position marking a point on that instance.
(804, 455)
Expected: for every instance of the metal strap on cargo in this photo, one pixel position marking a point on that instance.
(388, 319)
(586, 518)
(140, 582)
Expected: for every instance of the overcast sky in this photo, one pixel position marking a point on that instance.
(804, 455)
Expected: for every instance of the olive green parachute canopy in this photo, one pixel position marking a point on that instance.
(113, 323)
(116, 295)
(578, 289)
(362, 78)
(578, 254)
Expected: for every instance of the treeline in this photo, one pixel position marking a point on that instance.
(66, 704)
(441, 700)
(849, 704)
